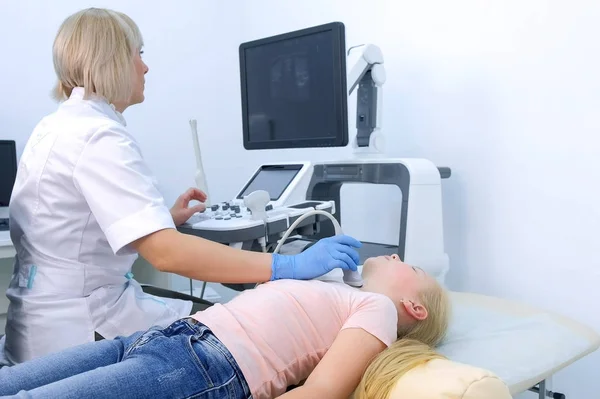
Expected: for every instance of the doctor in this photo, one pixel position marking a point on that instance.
(85, 205)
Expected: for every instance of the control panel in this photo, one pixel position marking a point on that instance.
(265, 207)
(235, 222)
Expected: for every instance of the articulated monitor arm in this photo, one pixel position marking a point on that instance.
(368, 73)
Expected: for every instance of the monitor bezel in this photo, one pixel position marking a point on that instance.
(13, 148)
(338, 35)
(296, 167)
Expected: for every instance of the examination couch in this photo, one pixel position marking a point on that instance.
(496, 348)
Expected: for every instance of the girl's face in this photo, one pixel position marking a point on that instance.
(389, 272)
(400, 282)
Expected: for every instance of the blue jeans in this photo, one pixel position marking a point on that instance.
(184, 360)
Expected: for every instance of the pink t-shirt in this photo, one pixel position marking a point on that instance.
(279, 331)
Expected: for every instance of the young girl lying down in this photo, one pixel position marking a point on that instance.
(255, 346)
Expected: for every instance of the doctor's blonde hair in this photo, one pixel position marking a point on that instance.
(94, 49)
(415, 347)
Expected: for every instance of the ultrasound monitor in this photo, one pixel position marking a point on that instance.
(273, 179)
(294, 90)
(8, 170)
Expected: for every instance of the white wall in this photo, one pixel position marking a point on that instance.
(506, 93)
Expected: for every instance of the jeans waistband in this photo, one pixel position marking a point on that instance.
(200, 329)
(193, 324)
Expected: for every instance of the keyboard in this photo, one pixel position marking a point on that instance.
(3, 224)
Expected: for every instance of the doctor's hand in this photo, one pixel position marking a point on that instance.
(181, 211)
(327, 254)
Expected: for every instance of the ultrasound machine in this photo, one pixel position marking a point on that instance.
(295, 88)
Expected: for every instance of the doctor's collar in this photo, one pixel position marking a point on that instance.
(119, 115)
(79, 93)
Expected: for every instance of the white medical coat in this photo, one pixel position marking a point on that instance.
(83, 193)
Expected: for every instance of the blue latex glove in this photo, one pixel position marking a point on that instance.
(327, 254)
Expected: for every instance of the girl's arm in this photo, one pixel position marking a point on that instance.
(337, 375)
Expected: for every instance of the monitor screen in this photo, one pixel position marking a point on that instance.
(294, 90)
(8, 170)
(274, 179)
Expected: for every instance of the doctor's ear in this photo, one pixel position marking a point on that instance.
(415, 310)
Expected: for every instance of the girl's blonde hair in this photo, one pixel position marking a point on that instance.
(94, 49)
(383, 373)
(413, 348)
(432, 329)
